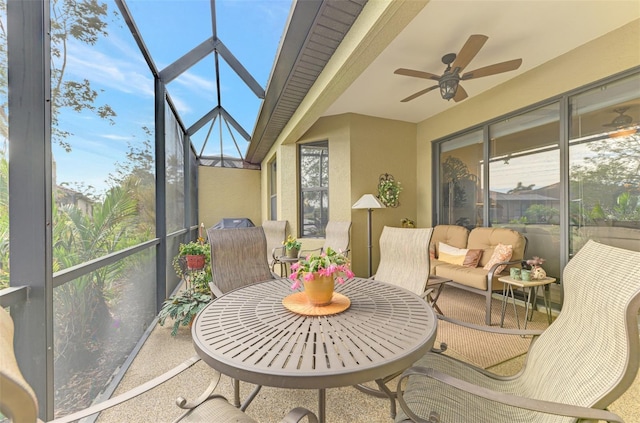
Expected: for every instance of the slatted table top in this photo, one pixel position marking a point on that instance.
(249, 335)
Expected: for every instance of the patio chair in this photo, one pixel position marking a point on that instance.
(238, 258)
(337, 236)
(579, 365)
(19, 403)
(276, 232)
(404, 258)
(404, 261)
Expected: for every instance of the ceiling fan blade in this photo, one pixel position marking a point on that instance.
(417, 74)
(461, 94)
(418, 94)
(469, 51)
(493, 69)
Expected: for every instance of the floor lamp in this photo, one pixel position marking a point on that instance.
(369, 202)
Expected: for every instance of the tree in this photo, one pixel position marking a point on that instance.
(82, 21)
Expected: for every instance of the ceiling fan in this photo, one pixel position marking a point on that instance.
(448, 82)
(621, 120)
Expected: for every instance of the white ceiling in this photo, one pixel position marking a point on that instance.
(534, 30)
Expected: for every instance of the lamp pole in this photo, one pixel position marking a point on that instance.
(369, 243)
(368, 202)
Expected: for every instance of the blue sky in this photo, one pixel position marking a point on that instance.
(251, 29)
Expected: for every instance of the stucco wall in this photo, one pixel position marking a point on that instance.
(224, 192)
(379, 146)
(603, 57)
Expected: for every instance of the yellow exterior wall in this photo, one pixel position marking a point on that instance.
(225, 192)
(598, 59)
(361, 148)
(379, 146)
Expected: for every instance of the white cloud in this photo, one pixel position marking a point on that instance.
(116, 71)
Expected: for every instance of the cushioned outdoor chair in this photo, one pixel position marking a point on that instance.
(238, 258)
(19, 403)
(576, 368)
(276, 233)
(337, 236)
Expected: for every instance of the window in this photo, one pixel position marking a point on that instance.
(523, 184)
(460, 175)
(604, 158)
(314, 189)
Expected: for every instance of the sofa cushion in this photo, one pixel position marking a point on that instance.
(472, 258)
(501, 253)
(475, 277)
(453, 235)
(487, 239)
(450, 254)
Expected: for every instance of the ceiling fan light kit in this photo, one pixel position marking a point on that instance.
(448, 85)
(449, 81)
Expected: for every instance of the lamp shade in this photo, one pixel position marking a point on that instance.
(368, 201)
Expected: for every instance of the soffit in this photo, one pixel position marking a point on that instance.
(314, 32)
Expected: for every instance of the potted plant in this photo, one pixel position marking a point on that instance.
(184, 306)
(292, 247)
(318, 272)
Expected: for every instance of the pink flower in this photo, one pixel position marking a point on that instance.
(295, 266)
(308, 276)
(296, 284)
(340, 279)
(349, 273)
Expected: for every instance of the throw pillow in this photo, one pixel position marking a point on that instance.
(450, 254)
(501, 253)
(472, 258)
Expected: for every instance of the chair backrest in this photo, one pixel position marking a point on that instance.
(18, 402)
(487, 239)
(276, 232)
(337, 236)
(238, 257)
(404, 257)
(589, 355)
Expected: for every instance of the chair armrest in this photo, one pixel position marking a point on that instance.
(492, 271)
(492, 329)
(305, 253)
(132, 393)
(217, 293)
(277, 249)
(298, 414)
(547, 407)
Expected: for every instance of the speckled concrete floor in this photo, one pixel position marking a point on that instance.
(161, 352)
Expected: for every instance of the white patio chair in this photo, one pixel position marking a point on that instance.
(584, 361)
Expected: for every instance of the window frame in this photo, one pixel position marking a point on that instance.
(323, 188)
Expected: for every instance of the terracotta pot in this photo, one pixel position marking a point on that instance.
(319, 290)
(195, 262)
(292, 253)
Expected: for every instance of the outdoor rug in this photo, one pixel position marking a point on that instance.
(480, 348)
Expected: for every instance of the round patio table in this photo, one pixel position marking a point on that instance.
(249, 335)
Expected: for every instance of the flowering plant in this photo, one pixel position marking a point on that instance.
(291, 243)
(329, 263)
(389, 190)
(535, 261)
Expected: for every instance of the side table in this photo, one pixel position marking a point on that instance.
(435, 284)
(532, 286)
(285, 263)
